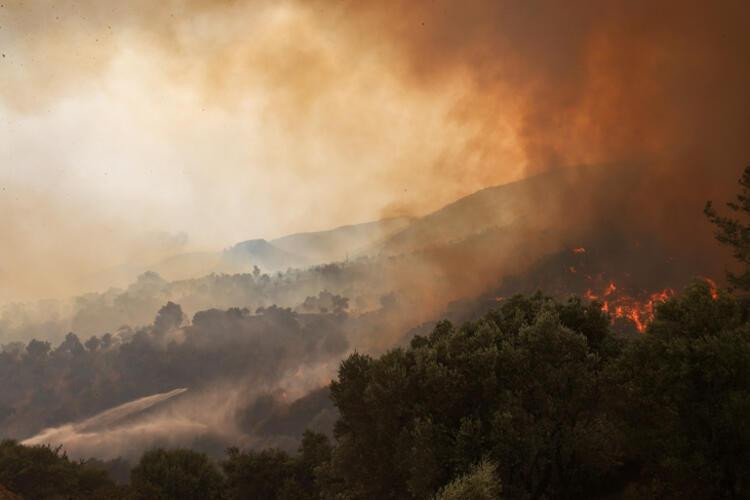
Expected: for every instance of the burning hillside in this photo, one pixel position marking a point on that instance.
(628, 279)
(622, 305)
(224, 223)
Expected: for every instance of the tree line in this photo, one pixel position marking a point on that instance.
(537, 399)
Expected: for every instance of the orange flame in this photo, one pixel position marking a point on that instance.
(621, 305)
(713, 289)
(579, 250)
(590, 295)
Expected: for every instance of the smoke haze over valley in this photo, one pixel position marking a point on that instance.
(187, 125)
(205, 206)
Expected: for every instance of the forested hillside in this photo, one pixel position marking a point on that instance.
(537, 399)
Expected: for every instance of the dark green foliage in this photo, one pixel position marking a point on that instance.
(44, 386)
(688, 394)
(479, 484)
(560, 405)
(537, 396)
(41, 472)
(274, 474)
(311, 463)
(734, 232)
(523, 385)
(256, 474)
(177, 474)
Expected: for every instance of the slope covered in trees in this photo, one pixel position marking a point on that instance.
(46, 386)
(537, 398)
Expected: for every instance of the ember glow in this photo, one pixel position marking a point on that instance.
(621, 305)
(712, 288)
(206, 206)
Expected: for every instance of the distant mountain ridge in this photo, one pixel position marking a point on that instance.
(297, 250)
(243, 256)
(336, 244)
(493, 208)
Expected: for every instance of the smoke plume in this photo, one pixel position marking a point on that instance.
(408, 105)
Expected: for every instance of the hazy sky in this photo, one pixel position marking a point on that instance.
(132, 130)
(120, 134)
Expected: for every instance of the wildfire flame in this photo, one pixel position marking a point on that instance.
(621, 299)
(639, 312)
(713, 289)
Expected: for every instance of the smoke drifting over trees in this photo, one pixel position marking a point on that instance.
(231, 352)
(169, 174)
(249, 345)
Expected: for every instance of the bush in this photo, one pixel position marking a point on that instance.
(40, 472)
(479, 484)
(177, 474)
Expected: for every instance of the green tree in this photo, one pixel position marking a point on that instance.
(526, 386)
(257, 474)
(552, 433)
(734, 231)
(42, 472)
(687, 395)
(479, 484)
(177, 474)
(311, 463)
(276, 475)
